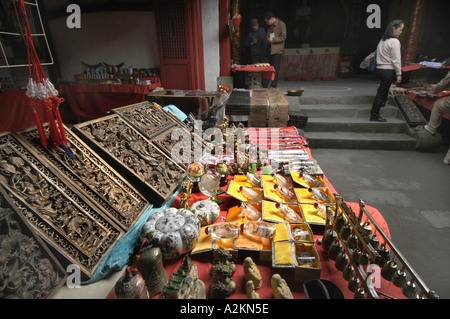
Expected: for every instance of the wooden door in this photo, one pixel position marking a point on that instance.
(180, 44)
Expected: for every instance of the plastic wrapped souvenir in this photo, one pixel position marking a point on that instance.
(300, 234)
(175, 231)
(250, 212)
(310, 180)
(254, 179)
(249, 194)
(258, 229)
(223, 230)
(319, 195)
(280, 180)
(289, 214)
(285, 192)
(206, 211)
(306, 259)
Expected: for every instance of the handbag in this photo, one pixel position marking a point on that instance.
(369, 62)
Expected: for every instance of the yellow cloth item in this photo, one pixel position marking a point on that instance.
(283, 254)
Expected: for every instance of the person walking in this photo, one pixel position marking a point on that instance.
(440, 108)
(276, 38)
(256, 41)
(389, 66)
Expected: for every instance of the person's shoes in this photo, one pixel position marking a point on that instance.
(447, 158)
(428, 130)
(377, 118)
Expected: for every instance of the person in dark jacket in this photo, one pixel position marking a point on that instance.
(256, 41)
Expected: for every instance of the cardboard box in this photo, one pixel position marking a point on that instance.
(258, 109)
(278, 108)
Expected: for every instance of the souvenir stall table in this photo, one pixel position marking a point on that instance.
(88, 100)
(253, 221)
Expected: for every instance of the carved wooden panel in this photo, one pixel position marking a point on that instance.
(28, 270)
(92, 176)
(61, 215)
(150, 171)
(174, 133)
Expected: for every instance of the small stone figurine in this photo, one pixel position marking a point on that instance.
(251, 273)
(280, 288)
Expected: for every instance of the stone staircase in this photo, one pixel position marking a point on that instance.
(342, 122)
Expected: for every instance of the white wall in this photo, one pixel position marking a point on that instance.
(211, 43)
(110, 37)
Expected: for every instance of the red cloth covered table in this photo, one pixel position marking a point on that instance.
(328, 272)
(267, 72)
(96, 100)
(15, 112)
(426, 102)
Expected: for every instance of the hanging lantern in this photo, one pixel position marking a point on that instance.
(236, 20)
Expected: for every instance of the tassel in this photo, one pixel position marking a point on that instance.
(38, 121)
(56, 103)
(54, 133)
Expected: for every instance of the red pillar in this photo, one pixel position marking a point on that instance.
(224, 38)
(415, 24)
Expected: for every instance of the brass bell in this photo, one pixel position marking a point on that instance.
(345, 231)
(339, 222)
(363, 259)
(388, 270)
(348, 272)
(342, 260)
(151, 267)
(131, 286)
(360, 294)
(328, 238)
(355, 256)
(367, 228)
(335, 249)
(409, 290)
(352, 241)
(399, 278)
(374, 241)
(354, 284)
(384, 253)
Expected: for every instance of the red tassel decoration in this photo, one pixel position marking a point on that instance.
(34, 105)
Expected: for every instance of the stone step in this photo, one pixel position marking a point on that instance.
(368, 141)
(342, 111)
(335, 100)
(354, 124)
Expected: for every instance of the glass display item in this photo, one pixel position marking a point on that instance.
(289, 214)
(284, 192)
(209, 183)
(258, 229)
(250, 212)
(254, 179)
(310, 180)
(319, 195)
(280, 180)
(222, 167)
(196, 170)
(321, 209)
(223, 230)
(300, 234)
(249, 194)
